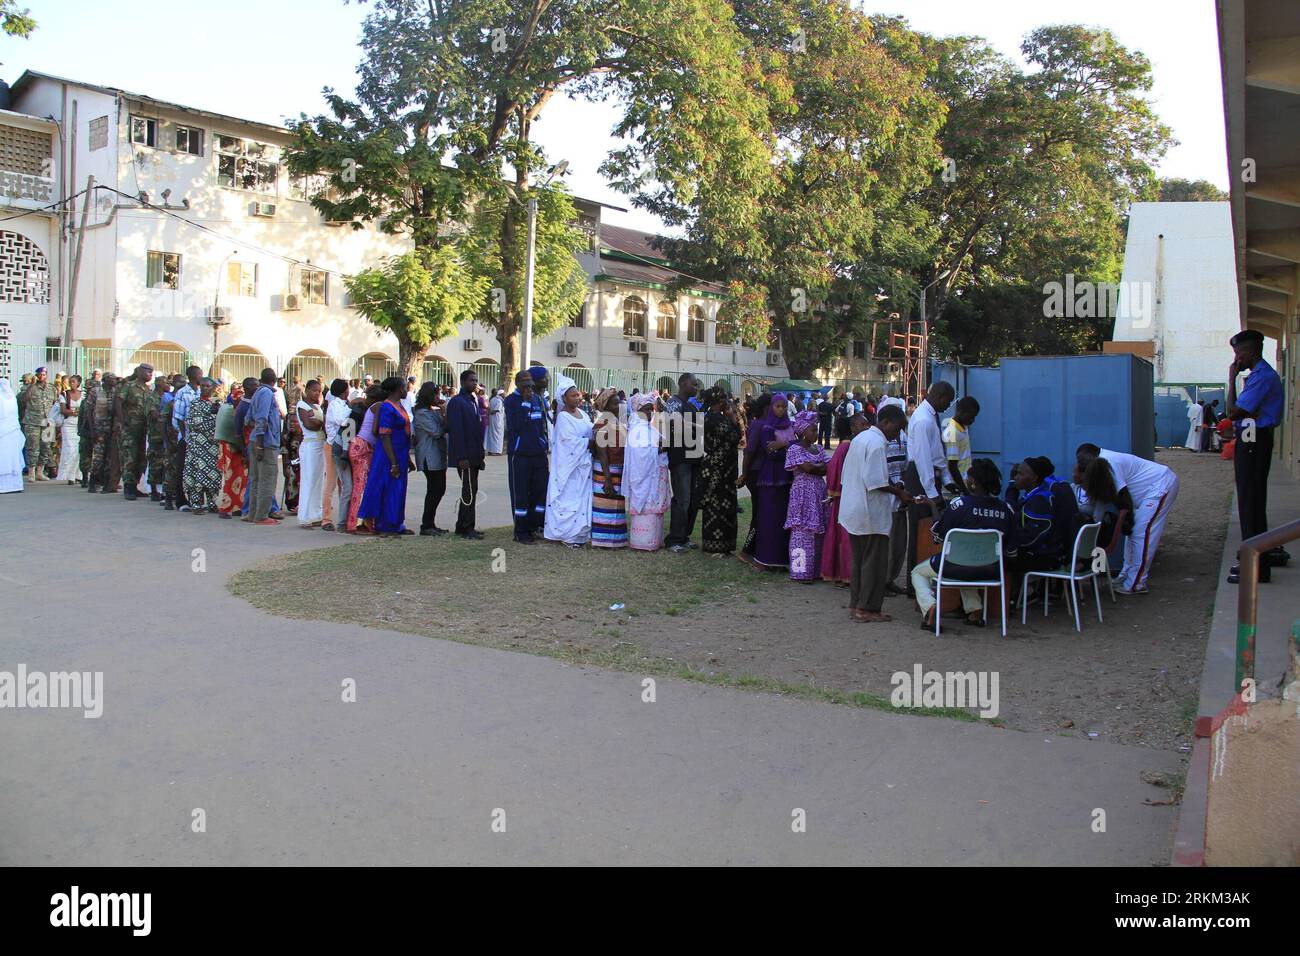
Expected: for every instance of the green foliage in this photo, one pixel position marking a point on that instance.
(14, 21)
(420, 297)
(559, 280)
(1187, 190)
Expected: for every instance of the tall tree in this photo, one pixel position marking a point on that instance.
(450, 90)
(855, 132)
(1039, 169)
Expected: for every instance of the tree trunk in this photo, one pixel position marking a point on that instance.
(797, 362)
(410, 357)
(509, 340)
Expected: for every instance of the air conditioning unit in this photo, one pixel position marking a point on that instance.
(773, 358)
(895, 368)
(473, 345)
(638, 348)
(264, 209)
(566, 349)
(217, 315)
(292, 302)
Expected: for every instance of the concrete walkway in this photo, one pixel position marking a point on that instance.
(212, 704)
(1278, 609)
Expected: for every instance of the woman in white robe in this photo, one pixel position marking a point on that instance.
(568, 490)
(646, 484)
(70, 451)
(496, 430)
(12, 441)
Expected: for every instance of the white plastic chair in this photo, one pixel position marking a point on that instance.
(971, 548)
(1085, 543)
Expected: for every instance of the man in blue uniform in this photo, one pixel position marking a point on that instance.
(526, 465)
(1255, 413)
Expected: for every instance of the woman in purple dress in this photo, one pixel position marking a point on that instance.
(384, 500)
(768, 544)
(805, 517)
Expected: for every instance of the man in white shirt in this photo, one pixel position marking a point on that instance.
(925, 447)
(866, 513)
(1146, 489)
(408, 400)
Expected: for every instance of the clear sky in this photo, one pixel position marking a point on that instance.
(268, 59)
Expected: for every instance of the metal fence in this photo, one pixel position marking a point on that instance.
(232, 366)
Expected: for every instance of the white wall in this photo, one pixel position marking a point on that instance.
(1183, 254)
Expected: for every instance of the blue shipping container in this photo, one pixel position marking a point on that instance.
(1051, 405)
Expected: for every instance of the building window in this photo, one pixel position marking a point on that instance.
(24, 270)
(666, 321)
(695, 324)
(98, 129)
(241, 279)
(859, 348)
(308, 187)
(634, 316)
(164, 271)
(189, 140)
(244, 164)
(144, 131)
(315, 286)
(25, 151)
(724, 333)
(579, 319)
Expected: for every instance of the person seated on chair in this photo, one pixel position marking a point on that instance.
(1046, 518)
(979, 509)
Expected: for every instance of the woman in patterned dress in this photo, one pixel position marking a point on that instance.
(722, 433)
(202, 479)
(230, 456)
(806, 515)
(608, 506)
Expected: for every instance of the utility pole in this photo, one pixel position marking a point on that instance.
(87, 202)
(528, 284)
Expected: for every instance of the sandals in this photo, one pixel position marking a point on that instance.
(327, 526)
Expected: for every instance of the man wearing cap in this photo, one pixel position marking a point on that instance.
(1255, 412)
(157, 431)
(38, 398)
(85, 434)
(526, 465)
(135, 399)
(99, 423)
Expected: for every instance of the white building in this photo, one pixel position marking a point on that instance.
(1178, 295)
(203, 243)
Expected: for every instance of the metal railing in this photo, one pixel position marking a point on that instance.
(1252, 550)
(230, 366)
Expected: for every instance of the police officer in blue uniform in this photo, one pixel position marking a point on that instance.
(1255, 414)
(526, 465)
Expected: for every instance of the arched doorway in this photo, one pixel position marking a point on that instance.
(438, 370)
(378, 365)
(239, 362)
(310, 363)
(488, 372)
(167, 358)
(582, 376)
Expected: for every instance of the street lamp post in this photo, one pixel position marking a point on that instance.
(557, 170)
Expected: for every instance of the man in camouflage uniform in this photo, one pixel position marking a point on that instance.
(134, 398)
(85, 431)
(157, 439)
(37, 400)
(100, 425)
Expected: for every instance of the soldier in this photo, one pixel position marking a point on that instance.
(85, 431)
(134, 398)
(100, 426)
(157, 439)
(37, 400)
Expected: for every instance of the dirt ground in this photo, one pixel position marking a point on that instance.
(1132, 679)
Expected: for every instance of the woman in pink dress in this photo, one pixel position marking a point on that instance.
(837, 558)
(805, 518)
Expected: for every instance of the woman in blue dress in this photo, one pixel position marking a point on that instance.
(384, 500)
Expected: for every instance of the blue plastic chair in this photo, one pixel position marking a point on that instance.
(971, 548)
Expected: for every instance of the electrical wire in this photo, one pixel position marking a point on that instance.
(33, 212)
